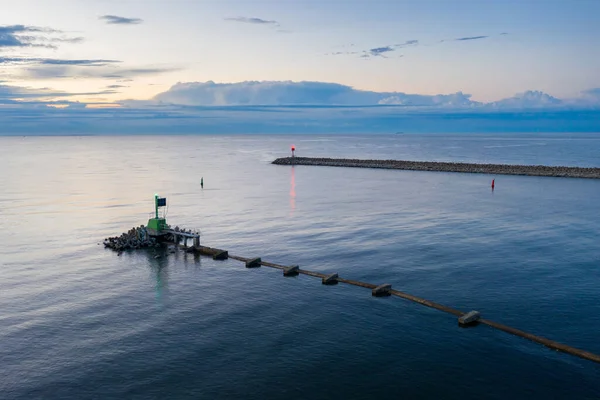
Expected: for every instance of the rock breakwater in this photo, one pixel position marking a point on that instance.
(135, 238)
(492, 169)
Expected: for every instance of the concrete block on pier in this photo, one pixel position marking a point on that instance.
(221, 255)
(330, 279)
(253, 263)
(469, 318)
(382, 290)
(291, 271)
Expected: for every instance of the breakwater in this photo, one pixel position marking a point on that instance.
(471, 318)
(492, 169)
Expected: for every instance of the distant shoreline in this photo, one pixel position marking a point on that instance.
(492, 169)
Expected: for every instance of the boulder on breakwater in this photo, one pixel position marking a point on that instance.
(135, 238)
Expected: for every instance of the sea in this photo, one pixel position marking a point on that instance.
(78, 321)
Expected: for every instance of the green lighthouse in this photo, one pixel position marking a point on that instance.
(156, 225)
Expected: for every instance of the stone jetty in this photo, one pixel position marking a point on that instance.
(135, 238)
(141, 238)
(492, 169)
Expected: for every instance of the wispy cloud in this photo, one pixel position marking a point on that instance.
(413, 42)
(378, 51)
(252, 20)
(116, 20)
(340, 53)
(15, 93)
(116, 86)
(471, 38)
(32, 36)
(383, 50)
(89, 71)
(55, 61)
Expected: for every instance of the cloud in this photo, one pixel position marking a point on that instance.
(99, 71)
(379, 51)
(292, 107)
(298, 93)
(15, 93)
(454, 100)
(252, 20)
(288, 93)
(264, 93)
(30, 36)
(595, 93)
(471, 38)
(529, 99)
(339, 53)
(116, 20)
(55, 61)
(374, 52)
(116, 86)
(413, 42)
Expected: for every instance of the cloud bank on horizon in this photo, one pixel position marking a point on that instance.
(333, 94)
(290, 107)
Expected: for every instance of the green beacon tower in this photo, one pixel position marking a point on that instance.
(156, 225)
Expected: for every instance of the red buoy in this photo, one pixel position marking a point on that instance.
(493, 183)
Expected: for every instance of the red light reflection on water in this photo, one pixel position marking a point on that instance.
(292, 192)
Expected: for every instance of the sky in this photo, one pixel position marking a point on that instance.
(426, 53)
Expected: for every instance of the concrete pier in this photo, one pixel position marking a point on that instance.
(291, 271)
(221, 255)
(382, 290)
(492, 169)
(253, 263)
(469, 318)
(331, 279)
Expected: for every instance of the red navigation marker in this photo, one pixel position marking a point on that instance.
(493, 183)
(293, 150)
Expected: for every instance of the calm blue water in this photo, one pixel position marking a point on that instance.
(80, 322)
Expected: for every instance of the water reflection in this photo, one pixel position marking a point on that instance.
(292, 192)
(160, 273)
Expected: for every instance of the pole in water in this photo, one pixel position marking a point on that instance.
(202, 182)
(493, 183)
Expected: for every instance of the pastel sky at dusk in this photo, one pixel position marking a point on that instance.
(411, 46)
(304, 66)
